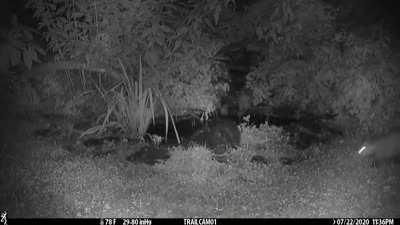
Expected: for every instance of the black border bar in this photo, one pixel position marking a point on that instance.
(206, 221)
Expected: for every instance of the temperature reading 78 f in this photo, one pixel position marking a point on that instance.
(109, 221)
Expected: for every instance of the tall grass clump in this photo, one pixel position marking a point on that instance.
(131, 107)
(134, 105)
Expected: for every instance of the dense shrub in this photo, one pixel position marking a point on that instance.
(266, 140)
(310, 63)
(176, 55)
(314, 66)
(193, 166)
(17, 47)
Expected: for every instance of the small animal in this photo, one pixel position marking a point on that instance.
(220, 134)
(154, 139)
(382, 149)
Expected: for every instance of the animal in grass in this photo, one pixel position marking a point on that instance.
(382, 149)
(218, 135)
(153, 139)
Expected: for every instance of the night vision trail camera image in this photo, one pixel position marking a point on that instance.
(200, 109)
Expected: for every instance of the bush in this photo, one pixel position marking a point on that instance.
(194, 165)
(17, 47)
(265, 140)
(176, 55)
(314, 67)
